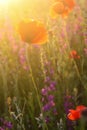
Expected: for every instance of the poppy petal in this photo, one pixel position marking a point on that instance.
(74, 115)
(80, 108)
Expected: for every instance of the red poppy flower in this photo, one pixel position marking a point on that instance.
(58, 8)
(76, 114)
(32, 31)
(63, 7)
(70, 3)
(81, 108)
(74, 54)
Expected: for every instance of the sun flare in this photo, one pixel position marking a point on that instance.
(4, 2)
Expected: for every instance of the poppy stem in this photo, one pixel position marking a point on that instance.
(32, 78)
(35, 87)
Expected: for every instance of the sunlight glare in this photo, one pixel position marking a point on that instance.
(4, 2)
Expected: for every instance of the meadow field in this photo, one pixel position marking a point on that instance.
(43, 64)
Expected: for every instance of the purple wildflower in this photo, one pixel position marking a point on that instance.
(47, 95)
(50, 97)
(44, 91)
(47, 79)
(47, 119)
(46, 107)
(7, 124)
(1, 128)
(51, 104)
(52, 87)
